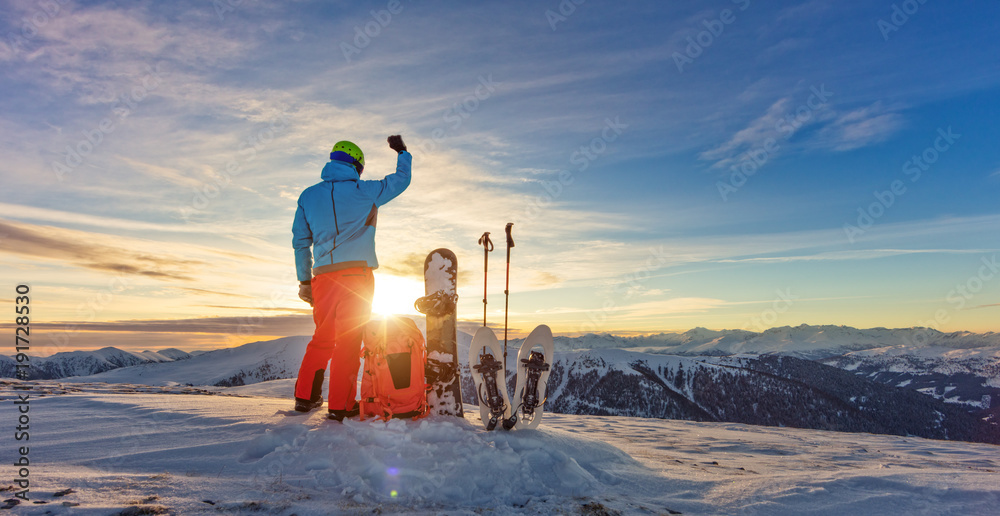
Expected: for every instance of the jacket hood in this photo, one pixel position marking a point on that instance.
(339, 171)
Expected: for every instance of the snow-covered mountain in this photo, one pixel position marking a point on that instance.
(960, 368)
(84, 363)
(805, 341)
(966, 377)
(809, 342)
(768, 390)
(249, 363)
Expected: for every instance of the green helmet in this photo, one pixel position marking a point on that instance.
(348, 152)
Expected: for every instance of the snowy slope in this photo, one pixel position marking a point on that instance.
(249, 363)
(150, 453)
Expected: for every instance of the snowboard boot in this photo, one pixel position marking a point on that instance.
(339, 415)
(302, 405)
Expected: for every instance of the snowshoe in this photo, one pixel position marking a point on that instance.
(533, 368)
(489, 375)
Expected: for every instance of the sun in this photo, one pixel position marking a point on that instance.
(394, 295)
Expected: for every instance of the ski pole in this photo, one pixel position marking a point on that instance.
(487, 247)
(506, 291)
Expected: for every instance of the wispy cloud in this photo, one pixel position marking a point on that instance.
(73, 248)
(849, 255)
(783, 119)
(861, 127)
(753, 135)
(272, 325)
(63, 218)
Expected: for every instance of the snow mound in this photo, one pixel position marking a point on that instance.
(437, 461)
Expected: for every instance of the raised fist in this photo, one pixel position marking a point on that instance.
(396, 143)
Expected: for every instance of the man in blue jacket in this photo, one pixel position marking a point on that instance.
(334, 240)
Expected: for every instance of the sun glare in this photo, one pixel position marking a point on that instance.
(395, 295)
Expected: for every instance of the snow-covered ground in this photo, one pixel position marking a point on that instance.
(174, 449)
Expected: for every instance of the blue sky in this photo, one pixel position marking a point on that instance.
(607, 132)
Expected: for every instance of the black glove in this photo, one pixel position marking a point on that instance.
(396, 143)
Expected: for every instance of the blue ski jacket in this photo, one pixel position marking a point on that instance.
(334, 225)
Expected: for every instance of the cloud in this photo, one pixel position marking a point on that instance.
(754, 135)
(72, 248)
(411, 264)
(298, 324)
(306, 311)
(24, 212)
(839, 132)
(860, 128)
(89, 50)
(213, 293)
(867, 254)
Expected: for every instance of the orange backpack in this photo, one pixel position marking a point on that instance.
(392, 383)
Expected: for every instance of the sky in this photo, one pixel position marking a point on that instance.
(667, 165)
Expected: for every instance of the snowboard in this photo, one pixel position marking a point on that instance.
(489, 374)
(533, 368)
(439, 304)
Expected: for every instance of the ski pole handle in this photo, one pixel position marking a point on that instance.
(510, 239)
(486, 242)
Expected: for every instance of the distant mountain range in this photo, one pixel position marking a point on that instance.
(767, 390)
(249, 363)
(905, 381)
(805, 341)
(960, 368)
(85, 363)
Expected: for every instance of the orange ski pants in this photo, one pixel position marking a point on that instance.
(342, 305)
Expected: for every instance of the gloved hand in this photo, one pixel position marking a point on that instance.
(396, 143)
(306, 293)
